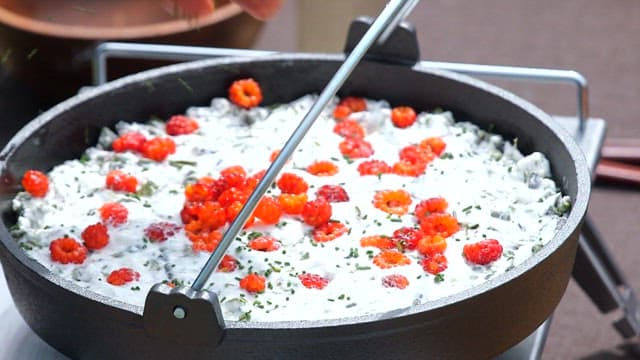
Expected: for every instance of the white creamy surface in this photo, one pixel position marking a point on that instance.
(492, 189)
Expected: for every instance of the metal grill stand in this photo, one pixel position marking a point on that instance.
(595, 269)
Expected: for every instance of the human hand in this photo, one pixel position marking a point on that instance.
(260, 9)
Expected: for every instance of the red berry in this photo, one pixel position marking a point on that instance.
(396, 281)
(444, 225)
(390, 258)
(374, 167)
(483, 252)
(348, 105)
(407, 168)
(130, 141)
(228, 264)
(349, 128)
(292, 204)
(205, 189)
(435, 264)
(118, 180)
(268, 210)
(123, 276)
(292, 184)
(181, 125)
(114, 213)
(329, 231)
(407, 237)
(234, 209)
(355, 148)
(332, 193)
(430, 245)
(435, 144)
(317, 212)
(430, 206)
(35, 183)
(160, 231)
(392, 201)
(379, 241)
(313, 281)
(245, 93)
(323, 168)
(264, 243)
(416, 154)
(233, 176)
(403, 116)
(95, 236)
(205, 240)
(66, 250)
(158, 148)
(253, 283)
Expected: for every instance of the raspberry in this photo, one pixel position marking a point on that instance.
(390, 258)
(268, 210)
(313, 281)
(348, 105)
(355, 148)
(406, 168)
(373, 167)
(118, 180)
(436, 144)
(444, 225)
(95, 236)
(317, 212)
(403, 116)
(395, 281)
(392, 201)
(158, 148)
(130, 141)
(292, 204)
(35, 183)
(431, 245)
(205, 241)
(329, 231)
(483, 252)
(429, 206)
(332, 193)
(253, 283)
(435, 264)
(416, 154)
(233, 176)
(160, 231)
(323, 168)
(66, 250)
(113, 213)
(190, 211)
(245, 93)
(264, 243)
(123, 276)
(292, 184)
(407, 238)
(181, 125)
(379, 241)
(349, 128)
(228, 264)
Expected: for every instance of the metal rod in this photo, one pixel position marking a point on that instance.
(389, 14)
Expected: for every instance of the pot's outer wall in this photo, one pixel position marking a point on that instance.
(479, 323)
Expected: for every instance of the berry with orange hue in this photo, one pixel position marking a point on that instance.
(390, 258)
(329, 231)
(232, 195)
(233, 176)
(317, 212)
(379, 241)
(118, 180)
(234, 209)
(322, 168)
(253, 180)
(313, 281)
(130, 141)
(205, 189)
(392, 201)
(245, 93)
(66, 250)
(333, 193)
(158, 148)
(181, 125)
(403, 116)
(349, 128)
(253, 283)
(190, 211)
(264, 243)
(435, 144)
(396, 281)
(274, 155)
(483, 252)
(211, 216)
(95, 236)
(292, 204)
(444, 225)
(205, 241)
(430, 206)
(354, 148)
(348, 105)
(341, 112)
(161, 231)
(374, 167)
(113, 213)
(416, 154)
(228, 264)
(435, 264)
(406, 168)
(292, 184)
(123, 276)
(407, 238)
(35, 183)
(268, 211)
(431, 245)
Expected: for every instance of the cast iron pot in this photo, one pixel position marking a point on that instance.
(481, 322)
